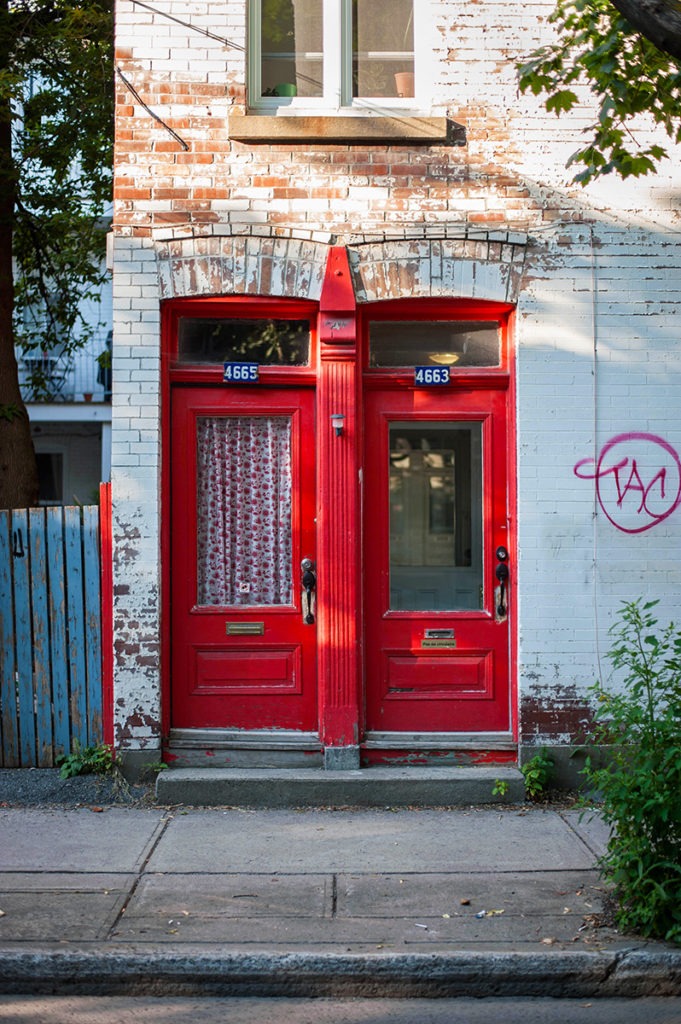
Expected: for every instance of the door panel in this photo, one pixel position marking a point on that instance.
(437, 646)
(242, 521)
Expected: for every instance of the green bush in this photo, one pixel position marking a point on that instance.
(640, 782)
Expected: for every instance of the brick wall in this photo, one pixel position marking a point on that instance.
(594, 272)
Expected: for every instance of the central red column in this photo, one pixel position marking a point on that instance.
(338, 525)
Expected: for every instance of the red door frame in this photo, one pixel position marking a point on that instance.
(467, 382)
(238, 681)
(338, 375)
(173, 374)
(426, 697)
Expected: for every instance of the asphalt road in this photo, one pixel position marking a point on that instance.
(142, 1010)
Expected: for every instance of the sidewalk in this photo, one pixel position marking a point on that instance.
(426, 902)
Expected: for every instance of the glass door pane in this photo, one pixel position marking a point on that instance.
(244, 534)
(435, 501)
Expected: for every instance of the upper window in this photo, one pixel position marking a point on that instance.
(333, 54)
(269, 342)
(456, 343)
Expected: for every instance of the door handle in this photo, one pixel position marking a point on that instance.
(502, 573)
(309, 582)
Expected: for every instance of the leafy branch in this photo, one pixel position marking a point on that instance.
(600, 57)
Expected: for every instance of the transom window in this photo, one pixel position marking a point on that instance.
(457, 343)
(270, 342)
(334, 53)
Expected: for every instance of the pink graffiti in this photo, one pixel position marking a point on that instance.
(638, 480)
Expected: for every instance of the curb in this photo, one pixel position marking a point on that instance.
(624, 973)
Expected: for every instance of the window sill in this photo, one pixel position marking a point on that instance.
(388, 128)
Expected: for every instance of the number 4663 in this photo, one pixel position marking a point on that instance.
(431, 375)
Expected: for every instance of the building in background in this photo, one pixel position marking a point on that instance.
(395, 408)
(70, 412)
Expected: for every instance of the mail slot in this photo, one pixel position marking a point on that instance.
(245, 629)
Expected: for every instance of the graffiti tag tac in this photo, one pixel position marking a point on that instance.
(638, 480)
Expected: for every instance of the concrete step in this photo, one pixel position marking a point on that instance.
(380, 786)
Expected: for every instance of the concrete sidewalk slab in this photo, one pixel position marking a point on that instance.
(560, 894)
(368, 840)
(231, 896)
(118, 839)
(590, 828)
(60, 916)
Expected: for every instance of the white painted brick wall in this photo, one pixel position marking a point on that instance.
(135, 492)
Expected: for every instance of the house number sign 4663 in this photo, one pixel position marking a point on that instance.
(431, 375)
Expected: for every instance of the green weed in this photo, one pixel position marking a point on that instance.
(95, 760)
(640, 781)
(537, 773)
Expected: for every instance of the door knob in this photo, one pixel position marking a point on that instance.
(502, 573)
(309, 582)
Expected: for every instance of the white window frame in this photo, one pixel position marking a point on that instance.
(337, 63)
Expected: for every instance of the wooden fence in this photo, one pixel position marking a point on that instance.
(51, 679)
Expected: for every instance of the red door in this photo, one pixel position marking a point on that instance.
(437, 636)
(243, 639)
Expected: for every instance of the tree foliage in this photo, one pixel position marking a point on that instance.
(626, 74)
(56, 143)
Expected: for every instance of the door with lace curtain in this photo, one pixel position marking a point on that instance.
(243, 622)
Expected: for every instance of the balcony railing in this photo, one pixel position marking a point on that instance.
(49, 376)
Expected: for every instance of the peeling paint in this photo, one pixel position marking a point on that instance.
(139, 730)
(555, 715)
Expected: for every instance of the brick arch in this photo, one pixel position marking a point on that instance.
(290, 264)
(479, 266)
(284, 265)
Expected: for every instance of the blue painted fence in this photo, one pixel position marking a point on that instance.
(50, 634)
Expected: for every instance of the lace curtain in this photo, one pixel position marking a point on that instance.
(244, 510)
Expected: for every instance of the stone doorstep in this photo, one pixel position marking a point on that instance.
(417, 786)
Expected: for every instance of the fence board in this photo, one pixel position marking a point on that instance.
(75, 623)
(61, 717)
(22, 637)
(8, 697)
(41, 638)
(92, 624)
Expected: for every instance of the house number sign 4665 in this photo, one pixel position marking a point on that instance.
(240, 373)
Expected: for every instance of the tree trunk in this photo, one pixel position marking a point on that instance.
(18, 470)
(657, 20)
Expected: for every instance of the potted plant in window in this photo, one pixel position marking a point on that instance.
(404, 80)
